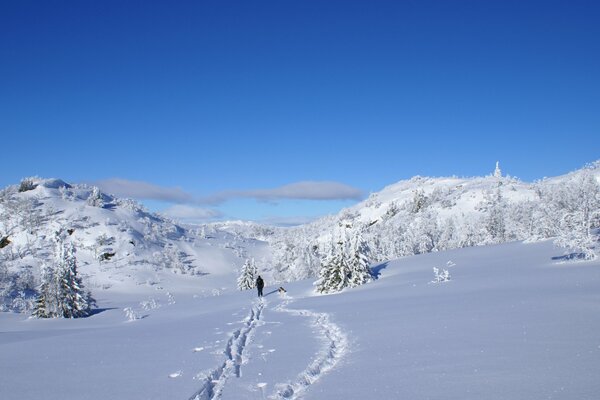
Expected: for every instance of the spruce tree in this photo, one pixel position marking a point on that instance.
(335, 272)
(40, 310)
(248, 274)
(76, 302)
(360, 273)
(61, 292)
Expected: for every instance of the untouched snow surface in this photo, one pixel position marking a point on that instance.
(514, 322)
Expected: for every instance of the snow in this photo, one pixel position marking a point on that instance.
(514, 322)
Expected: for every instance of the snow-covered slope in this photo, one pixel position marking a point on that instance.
(423, 214)
(514, 322)
(120, 245)
(414, 216)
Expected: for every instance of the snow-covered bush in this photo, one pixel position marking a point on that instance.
(131, 314)
(440, 275)
(17, 290)
(174, 259)
(151, 304)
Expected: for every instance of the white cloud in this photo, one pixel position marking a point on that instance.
(191, 214)
(287, 221)
(143, 190)
(306, 190)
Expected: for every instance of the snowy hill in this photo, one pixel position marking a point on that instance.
(497, 320)
(422, 215)
(120, 245)
(514, 322)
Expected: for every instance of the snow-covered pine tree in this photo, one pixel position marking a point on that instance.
(62, 293)
(76, 302)
(47, 303)
(248, 275)
(335, 272)
(40, 309)
(360, 273)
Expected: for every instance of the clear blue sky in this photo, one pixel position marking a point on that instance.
(236, 103)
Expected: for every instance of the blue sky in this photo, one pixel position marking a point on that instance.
(287, 110)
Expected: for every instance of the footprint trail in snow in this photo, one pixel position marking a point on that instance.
(215, 380)
(335, 346)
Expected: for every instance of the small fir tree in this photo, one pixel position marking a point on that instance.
(360, 273)
(248, 275)
(335, 272)
(40, 309)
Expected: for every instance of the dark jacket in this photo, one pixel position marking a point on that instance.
(260, 283)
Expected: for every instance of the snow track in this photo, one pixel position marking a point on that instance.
(215, 380)
(335, 346)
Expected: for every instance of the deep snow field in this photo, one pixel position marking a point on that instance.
(514, 322)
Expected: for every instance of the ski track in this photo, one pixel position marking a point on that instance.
(334, 348)
(215, 380)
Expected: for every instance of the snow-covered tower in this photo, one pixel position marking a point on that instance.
(497, 171)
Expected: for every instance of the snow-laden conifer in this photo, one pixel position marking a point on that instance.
(248, 275)
(61, 292)
(360, 272)
(335, 271)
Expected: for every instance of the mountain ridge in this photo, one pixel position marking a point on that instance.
(120, 240)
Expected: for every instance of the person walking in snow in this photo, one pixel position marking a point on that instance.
(260, 284)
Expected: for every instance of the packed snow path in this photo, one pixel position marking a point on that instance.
(239, 339)
(335, 346)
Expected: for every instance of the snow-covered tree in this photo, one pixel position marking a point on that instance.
(419, 201)
(62, 293)
(95, 198)
(495, 221)
(581, 201)
(360, 272)
(335, 271)
(248, 275)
